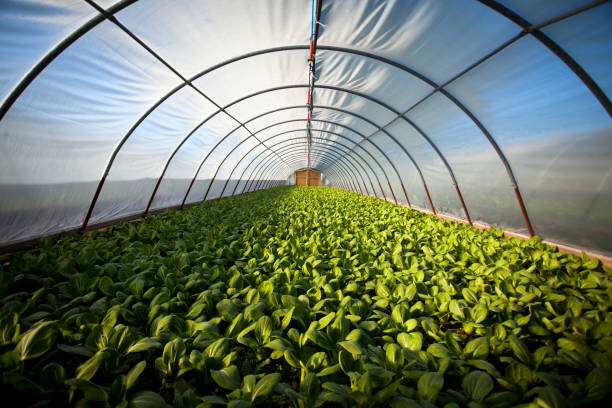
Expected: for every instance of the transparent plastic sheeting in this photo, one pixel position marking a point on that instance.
(239, 124)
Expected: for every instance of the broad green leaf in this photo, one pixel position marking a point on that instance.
(477, 348)
(456, 310)
(228, 377)
(280, 344)
(551, 397)
(91, 391)
(238, 404)
(134, 373)
(52, 376)
(324, 321)
(147, 399)
(599, 383)
(9, 328)
(479, 313)
(37, 341)
(429, 386)
(412, 341)
(310, 387)
(89, 368)
(519, 349)
(352, 347)
(144, 344)
(395, 356)
(265, 386)
(477, 385)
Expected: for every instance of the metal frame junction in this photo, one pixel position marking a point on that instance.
(527, 29)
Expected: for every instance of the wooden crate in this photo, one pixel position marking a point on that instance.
(308, 178)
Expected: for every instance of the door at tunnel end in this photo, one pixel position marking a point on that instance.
(307, 177)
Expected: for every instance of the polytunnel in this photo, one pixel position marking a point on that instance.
(306, 203)
(494, 112)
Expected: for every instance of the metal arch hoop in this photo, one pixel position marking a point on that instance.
(273, 145)
(294, 158)
(292, 162)
(323, 121)
(221, 140)
(222, 109)
(273, 163)
(364, 138)
(337, 148)
(346, 168)
(141, 119)
(249, 165)
(108, 14)
(252, 160)
(111, 11)
(554, 47)
(283, 88)
(389, 135)
(237, 145)
(348, 163)
(296, 148)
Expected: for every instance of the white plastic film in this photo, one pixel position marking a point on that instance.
(437, 38)
(249, 108)
(29, 29)
(538, 11)
(183, 166)
(587, 37)
(354, 103)
(556, 136)
(432, 167)
(142, 158)
(210, 164)
(59, 135)
(196, 34)
(413, 186)
(244, 77)
(481, 176)
(371, 77)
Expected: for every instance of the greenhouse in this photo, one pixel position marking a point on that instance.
(306, 203)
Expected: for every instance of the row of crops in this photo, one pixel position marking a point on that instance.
(303, 297)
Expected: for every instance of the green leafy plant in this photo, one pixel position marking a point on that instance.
(303, 297)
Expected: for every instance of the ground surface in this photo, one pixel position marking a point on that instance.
(302, 297)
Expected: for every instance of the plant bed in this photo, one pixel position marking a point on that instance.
(303, 296)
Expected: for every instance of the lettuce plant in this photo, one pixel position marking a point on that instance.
(303, 297)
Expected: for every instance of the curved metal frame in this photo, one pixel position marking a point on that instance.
(323, 121)
(370, 122)
(347, 163)
(527, 28)
(256, 171)
(249, 165)
(264, 160)
(223, 109)
(338, 89)
(334, 175)
(294, 158)
(389, 135)
(337, 134)
(276, 144)
(297, 154)
(295, 148)
(357, 144)
(215, 146)
(270, 166)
